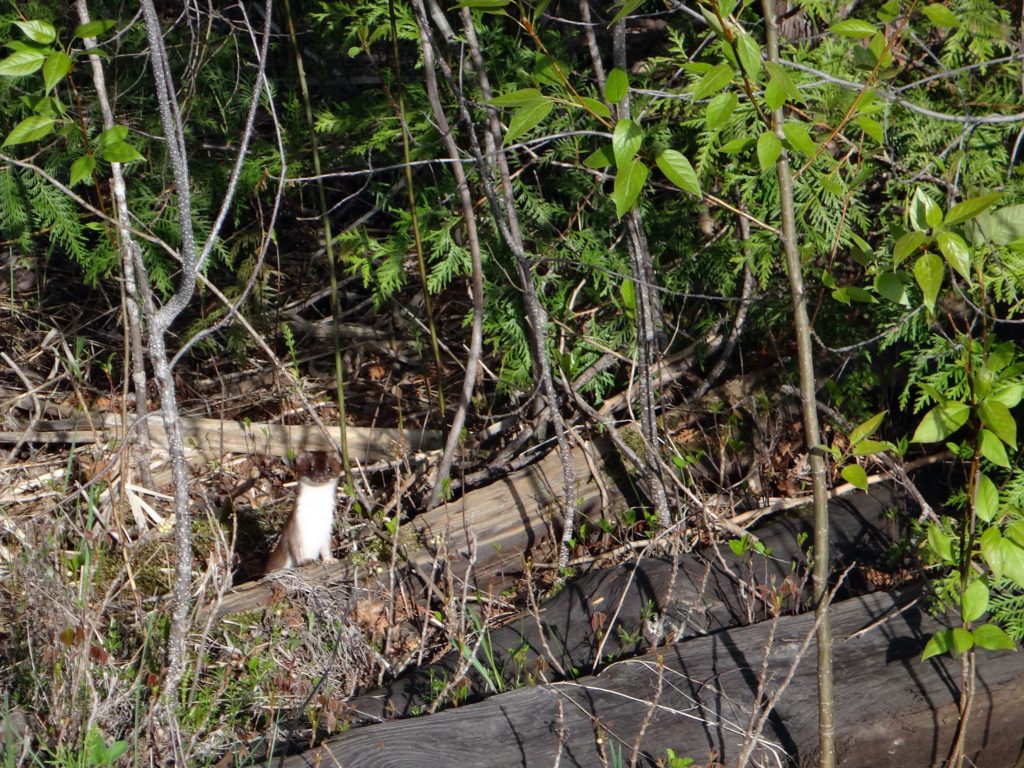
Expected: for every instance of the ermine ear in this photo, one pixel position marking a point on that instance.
(304, 464)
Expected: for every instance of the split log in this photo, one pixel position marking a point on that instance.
(697, 697)
(693, 594)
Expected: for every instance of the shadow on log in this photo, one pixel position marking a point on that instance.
(697, 697)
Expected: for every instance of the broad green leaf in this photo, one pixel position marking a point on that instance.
(1001, 226)
(627, 8)
(628, 293)
(855, 475)
(720, 108)
(749, 54)
(955, 250)
(774, 94)
(872, 128)
(975, 600)
(997, 417)
(94, 28)
(854, 28)
(615, 86)
(940, 15)
(798, 137)
(120, 152)
(892, 287)
(992, 550)
(736, 146)
(526, 118)
(715, 80)
(30, 129)
(906, 245)
(780, 77)
(769, 147)
(992, 448)
(56, 66)
(629, 182)
(992, 638)
(867, 427)
(986, 498)
(928, 271)
(940, 543)
(963, 640)
(517, 98)
(82, 168)
(678, 170)
(483, 5)
(850, 293)
(871, 447)
(941, 421)
(1012, 555)
(595, 106)
(42, 32)
(1010, 395)
(968, 209)
(924, 212)
(601, 157)
(939, 644)
(626, 140)
(113, 135)
(1015, 532)
(21, 63)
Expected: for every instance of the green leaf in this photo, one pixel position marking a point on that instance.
(42, 32)
(928, 271)
(867, 427)
(974, 601)
(616, 86)
(113, 135)
(955, 250)
(798, 137)
(21, 63)
(629, 182)
(720, 108)
(120, 152)
(626, 141)
(82, 168)
(483, 5)
(855, 475)
(968, 209)
(986, 498)
(997, 417)
(628, 293)
(940, 543)
(872, 128)
(627, 8)
(518, 98)
(94, 28)
(871, 447)
(1010, 395)
(769, 147)
(678, 170)
(56, 66)
(991, 448)
(595, 106)
(963, 640)
(992, 638)
(713, 81)
(781, 79)
(736, 146)
(1012, 555)
(892, 287)
(749, 54)
(941, 421)
(940, 15)
(30, 129)
(1002, 226)
(602, 157)
(854, 28)
(906, 245)
(924, 212)
(992, 550)
(526, 118)
(939, 644)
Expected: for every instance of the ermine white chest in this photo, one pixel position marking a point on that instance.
(314, 518)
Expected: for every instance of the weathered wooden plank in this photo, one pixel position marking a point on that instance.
(892, 709)
(211, 439)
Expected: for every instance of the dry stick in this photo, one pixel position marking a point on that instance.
(812, 433)
(473, 239)
(126, 246)
(507, 222)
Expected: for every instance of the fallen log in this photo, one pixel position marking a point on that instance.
(697, 699)
(693, 594)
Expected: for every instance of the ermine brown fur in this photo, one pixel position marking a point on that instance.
(307, 533)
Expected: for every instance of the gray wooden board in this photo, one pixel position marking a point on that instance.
(892, 709)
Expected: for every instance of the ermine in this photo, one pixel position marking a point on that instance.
(307, 533)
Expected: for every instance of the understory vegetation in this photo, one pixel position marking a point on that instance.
(511, 229)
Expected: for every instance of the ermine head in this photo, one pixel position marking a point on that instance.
(317, 467)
